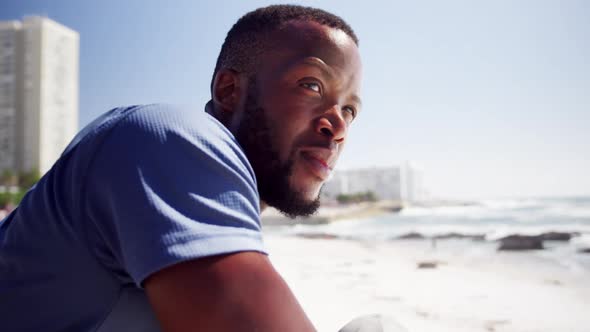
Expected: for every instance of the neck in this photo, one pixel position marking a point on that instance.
(210, 109)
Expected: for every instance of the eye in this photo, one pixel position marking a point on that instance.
(312, 86)
(349, 113)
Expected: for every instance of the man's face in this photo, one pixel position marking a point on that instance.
(297, 113)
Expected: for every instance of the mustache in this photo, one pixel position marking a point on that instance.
(326, 144)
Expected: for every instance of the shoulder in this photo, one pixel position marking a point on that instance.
(167, 131)
(178, 127)
(171, 184)
(172, 153)
(156, 120)
(165, 119)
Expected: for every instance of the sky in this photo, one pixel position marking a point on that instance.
(490, 99)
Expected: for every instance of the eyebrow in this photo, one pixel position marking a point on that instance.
(321, 65)
(318, 63)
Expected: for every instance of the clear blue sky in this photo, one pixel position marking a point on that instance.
(491, 98)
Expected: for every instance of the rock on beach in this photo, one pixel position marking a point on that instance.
(520, 242)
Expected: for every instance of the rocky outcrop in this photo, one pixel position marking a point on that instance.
(411, 236)
(428, 265)
(317, 236)
(557, 236)
(474, 237)
(584, 251)
(445, 236)
(533, 242)
(521, 242)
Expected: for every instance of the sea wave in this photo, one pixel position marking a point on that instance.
(488, 232)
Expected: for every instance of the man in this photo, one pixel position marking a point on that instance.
(150, 219)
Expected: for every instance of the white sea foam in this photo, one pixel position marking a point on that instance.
(511, 203)
(582, 241)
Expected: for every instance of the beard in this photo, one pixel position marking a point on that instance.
(255, 135)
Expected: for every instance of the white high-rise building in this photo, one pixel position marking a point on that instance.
(399, 183)
(412, 189)
(43, 90)
(9, 46)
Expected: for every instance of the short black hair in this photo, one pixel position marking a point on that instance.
(245, 40)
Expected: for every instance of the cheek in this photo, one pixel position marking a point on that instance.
(288, 140)
(288, 134)
(291, 119)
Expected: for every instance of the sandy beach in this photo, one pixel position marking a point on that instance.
(337, 280)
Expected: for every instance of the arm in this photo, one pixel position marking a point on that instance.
(235, 292)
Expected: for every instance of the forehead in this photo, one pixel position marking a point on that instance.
(299, 40)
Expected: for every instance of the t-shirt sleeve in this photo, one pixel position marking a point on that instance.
(167, 185)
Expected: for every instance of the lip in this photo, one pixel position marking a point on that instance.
(318, 162)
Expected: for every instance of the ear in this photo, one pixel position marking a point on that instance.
(227, 89)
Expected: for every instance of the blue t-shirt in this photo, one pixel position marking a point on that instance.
(139, 189)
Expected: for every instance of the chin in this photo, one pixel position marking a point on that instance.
(306, 184)
(296, 199)
(307, 192)
(311, 195)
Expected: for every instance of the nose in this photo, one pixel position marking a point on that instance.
(333, 125)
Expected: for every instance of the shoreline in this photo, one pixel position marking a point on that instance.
(329, 214)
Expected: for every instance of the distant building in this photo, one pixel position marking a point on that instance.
(412, 185)
(401, 183)
(39, 69)
(9, 38)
